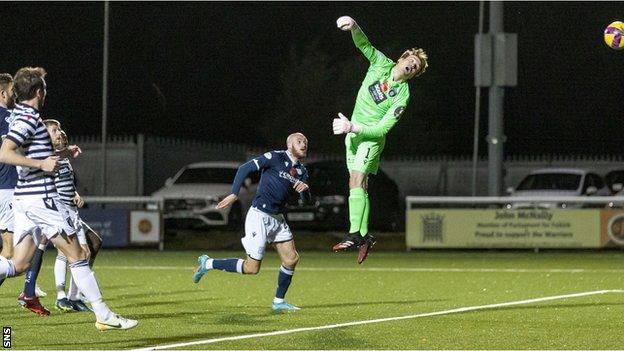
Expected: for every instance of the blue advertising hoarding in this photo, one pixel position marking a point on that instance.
(113, 225)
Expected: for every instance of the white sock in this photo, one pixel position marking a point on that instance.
(85, 280)
(73, 290)
(7, 269)
(277, 300)
(209, 263)
(60, 270)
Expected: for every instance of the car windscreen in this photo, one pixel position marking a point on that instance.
(550, 181)
(207, 175)
(615, 177)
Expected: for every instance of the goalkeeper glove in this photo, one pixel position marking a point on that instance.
(342, 125)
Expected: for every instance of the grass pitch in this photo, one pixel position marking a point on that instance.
(156, 289)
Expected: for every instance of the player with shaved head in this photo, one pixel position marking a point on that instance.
(282, 175)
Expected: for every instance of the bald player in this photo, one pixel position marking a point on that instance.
(282, 175)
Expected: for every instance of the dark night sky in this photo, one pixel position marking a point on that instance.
(210, 70)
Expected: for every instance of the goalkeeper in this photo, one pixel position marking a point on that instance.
(380, 102)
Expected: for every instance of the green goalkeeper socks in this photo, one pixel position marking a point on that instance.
(357, 206)
(364, 224)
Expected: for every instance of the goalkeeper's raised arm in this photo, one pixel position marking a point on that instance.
(360, 39)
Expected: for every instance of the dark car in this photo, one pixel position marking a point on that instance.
(615, 180)
(329, 208)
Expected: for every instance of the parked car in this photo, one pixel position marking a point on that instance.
(558, 182)
(191, 196)
(329, 208)
(615, 182)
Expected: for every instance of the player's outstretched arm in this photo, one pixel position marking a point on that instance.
(360, 39)
(227, 201)
(10, 156)
(70, 151)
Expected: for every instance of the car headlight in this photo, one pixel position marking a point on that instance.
(196, 203)
(213, 201)
(332, 200)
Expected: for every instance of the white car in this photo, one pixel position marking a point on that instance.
(191, 196)
(558, 182)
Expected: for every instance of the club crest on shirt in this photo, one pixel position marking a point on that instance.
(292, 172)
(377, 91)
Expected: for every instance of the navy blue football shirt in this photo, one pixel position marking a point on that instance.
(8, 173)
(279, 175)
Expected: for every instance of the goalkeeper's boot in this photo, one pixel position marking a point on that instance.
(201, 269)
(351, 242)
(284, 306)
(369, 242)
(116, 322)
(32, 304)
(80, 306)
(64, 305)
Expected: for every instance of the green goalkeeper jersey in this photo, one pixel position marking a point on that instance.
(380, 100)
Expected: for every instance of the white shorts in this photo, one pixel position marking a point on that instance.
(39, 216)
(78, 224)
(6, 210)
(261, 229)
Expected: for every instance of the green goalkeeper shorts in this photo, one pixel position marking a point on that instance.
(363, 155)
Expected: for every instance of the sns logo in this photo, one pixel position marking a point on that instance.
(6, 337)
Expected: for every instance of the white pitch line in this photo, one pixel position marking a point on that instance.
(380, 320)
(407, 269)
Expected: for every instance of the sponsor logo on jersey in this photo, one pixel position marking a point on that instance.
(398, 112)
(288, 177)
(377, 93)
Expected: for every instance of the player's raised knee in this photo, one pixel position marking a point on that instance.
(251, 267)
(20, 266)
(291, 261)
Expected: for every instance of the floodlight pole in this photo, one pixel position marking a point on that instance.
(104, 100)
(477, 114)
(495, 137)
(496, 64)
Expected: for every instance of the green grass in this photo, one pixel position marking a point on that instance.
(156, 289)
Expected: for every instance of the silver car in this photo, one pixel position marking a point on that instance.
(191, 196)
(557, 182)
